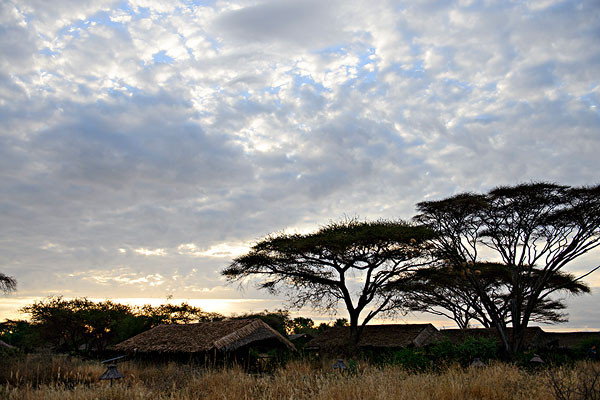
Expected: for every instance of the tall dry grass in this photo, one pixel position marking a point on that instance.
(61, 378)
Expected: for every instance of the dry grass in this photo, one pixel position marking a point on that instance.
(62, 378)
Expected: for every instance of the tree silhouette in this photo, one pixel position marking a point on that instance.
(444, 290)
(349, 262)
(7, 283)
(541, 224)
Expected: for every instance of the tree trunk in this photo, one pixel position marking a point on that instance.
(354, 333)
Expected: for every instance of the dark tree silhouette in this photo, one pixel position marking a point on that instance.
(7, 283)
(83, 325)
(541, 224)
(444, 290)
(351, 262)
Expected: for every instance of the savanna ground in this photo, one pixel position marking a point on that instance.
(59, 377)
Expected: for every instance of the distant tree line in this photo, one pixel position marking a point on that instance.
(83, 326)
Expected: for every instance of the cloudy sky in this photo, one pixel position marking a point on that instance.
(145, 143)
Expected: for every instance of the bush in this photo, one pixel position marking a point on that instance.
(482, 348)
(21, 334)
(444, 352)
(583, 350)
(410, 358)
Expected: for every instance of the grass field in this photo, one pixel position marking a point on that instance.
(56, 377)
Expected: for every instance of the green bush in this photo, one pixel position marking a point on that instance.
(471, 348)
(410, 358)
(20, 334)
(444, 351)
(584, 347)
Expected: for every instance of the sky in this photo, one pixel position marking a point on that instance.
(144, 143)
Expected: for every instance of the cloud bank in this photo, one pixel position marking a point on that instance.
(144, 144)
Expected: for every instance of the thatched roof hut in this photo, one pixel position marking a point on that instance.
(376, 337)
(221, 336)
(534, 335)
(568, 340)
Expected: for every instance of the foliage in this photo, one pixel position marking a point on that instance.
(409, 358)
(351, 262)
(300, 325)
(541, 224)
(340, 322)
(8, 354)
(482, 348)
(278, 320)
(20, 334)
(175, 314)
(83, 325)
(444, 290)
(439, 354)
(71, 324)
(584, 347)
(7, 283)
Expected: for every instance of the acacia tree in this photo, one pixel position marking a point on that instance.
(444, 290)
(7, 283)
(525, 225)
(351, 262)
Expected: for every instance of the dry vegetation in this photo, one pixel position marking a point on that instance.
(56, 377)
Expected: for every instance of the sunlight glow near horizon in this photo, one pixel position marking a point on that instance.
(10, 306)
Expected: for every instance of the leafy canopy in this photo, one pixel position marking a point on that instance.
(534, 229)
(352, 262)
(7, 283)
(445, 290)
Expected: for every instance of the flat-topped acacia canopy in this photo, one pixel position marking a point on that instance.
(534, 229)
(350, 261)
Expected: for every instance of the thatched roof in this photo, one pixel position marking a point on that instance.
(376, 336)
(226, 335)
(568, 340)
(533, 335)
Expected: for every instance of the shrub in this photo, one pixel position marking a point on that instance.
(411, 359)
(482, 348)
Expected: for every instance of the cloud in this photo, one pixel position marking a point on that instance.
(151, 252)
(307, 24)
(192, 130)
(226, 250)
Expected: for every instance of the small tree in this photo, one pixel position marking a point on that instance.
(444, 290)
(351, 262)
(523, 226)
